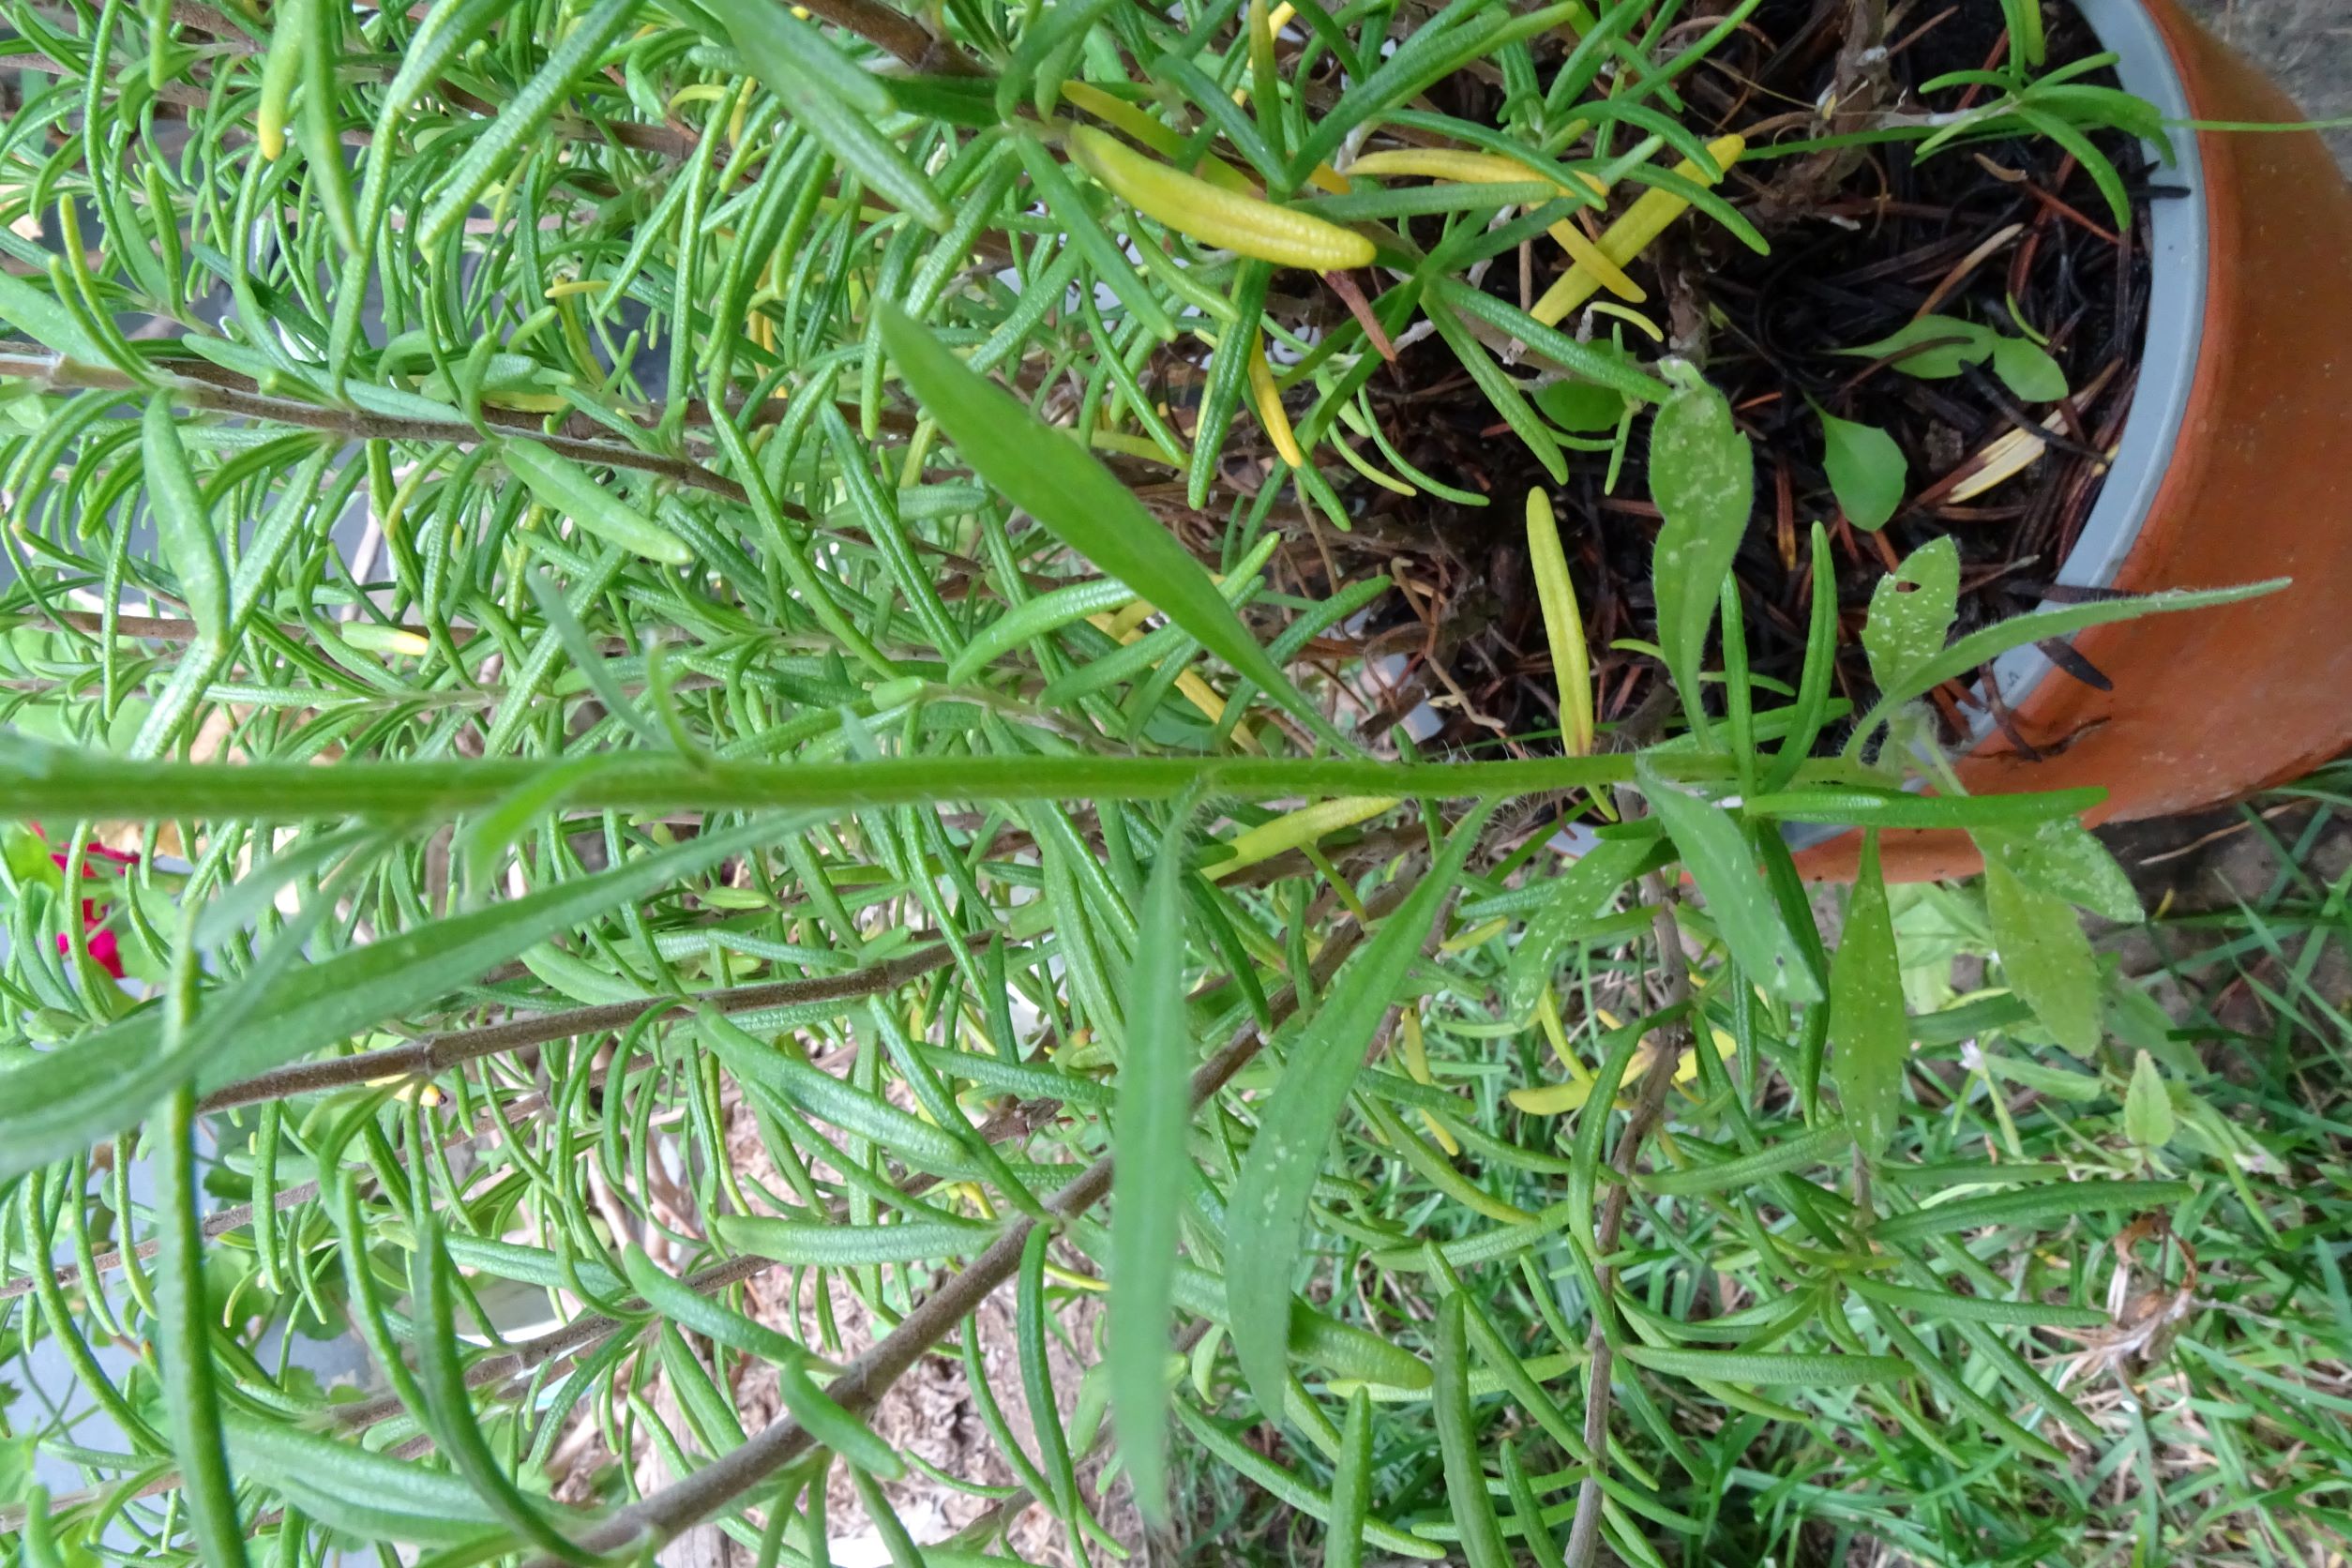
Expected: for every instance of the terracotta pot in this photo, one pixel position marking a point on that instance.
(2235, 465)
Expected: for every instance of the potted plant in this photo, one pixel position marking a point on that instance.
(751, 658)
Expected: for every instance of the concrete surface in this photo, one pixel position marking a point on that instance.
(2306, 46)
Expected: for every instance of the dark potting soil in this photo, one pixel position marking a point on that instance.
(1860, 246)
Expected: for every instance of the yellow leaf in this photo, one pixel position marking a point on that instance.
(1296, 828)
(1631, 234)
(1267, 399)
(1225, 219)
(1563, 626)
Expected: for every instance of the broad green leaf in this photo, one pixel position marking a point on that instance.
(1769, 1369)
(1702, 476)
(64, 1100)
(1457, 1443)
(1153, 1175)
(1582, 407)
(824, 1245)
(1958, 345)
(1266, 1219)
(566, 489)
(2033, 1207)
(2147, 1114)
(2065, 859)
(2027, 369)
(1867, 470)
(1723, 865)
(1911, 611)
(2046, 957)
(1869, 1038)
(1049, 476)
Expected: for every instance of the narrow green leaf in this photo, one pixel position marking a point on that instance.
(1956, 1391)
(1576, 898)
(1527, 1509)
(1867, 470)
(369, 1495)
(1951, 1306)
(1770, 1369)
(566, 489)
(821, 1244)
(1351, 1486)
(1500, 388)
(1603, 367)
(825, 1419)
(1150, 1176)
(2032, 1207)
(1801, 1152)
(450, 1404)
(2046, 957)
(1869, 1037)
(1457, 1443)
(64, 1100)
(683, 1305)
(183, 524)
(1911, 611)
(40, 317)
(523, 117)
(1266, 1220)
(1049, 476)
(1723, 865)
(922, 1144)
(1036, 1370)
(1038, 617)
(185, 1324)
(1287, 1487)
(1702, 476)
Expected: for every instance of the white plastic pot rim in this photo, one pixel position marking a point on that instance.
(2179, 255)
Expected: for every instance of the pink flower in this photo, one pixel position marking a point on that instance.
(104, 950)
